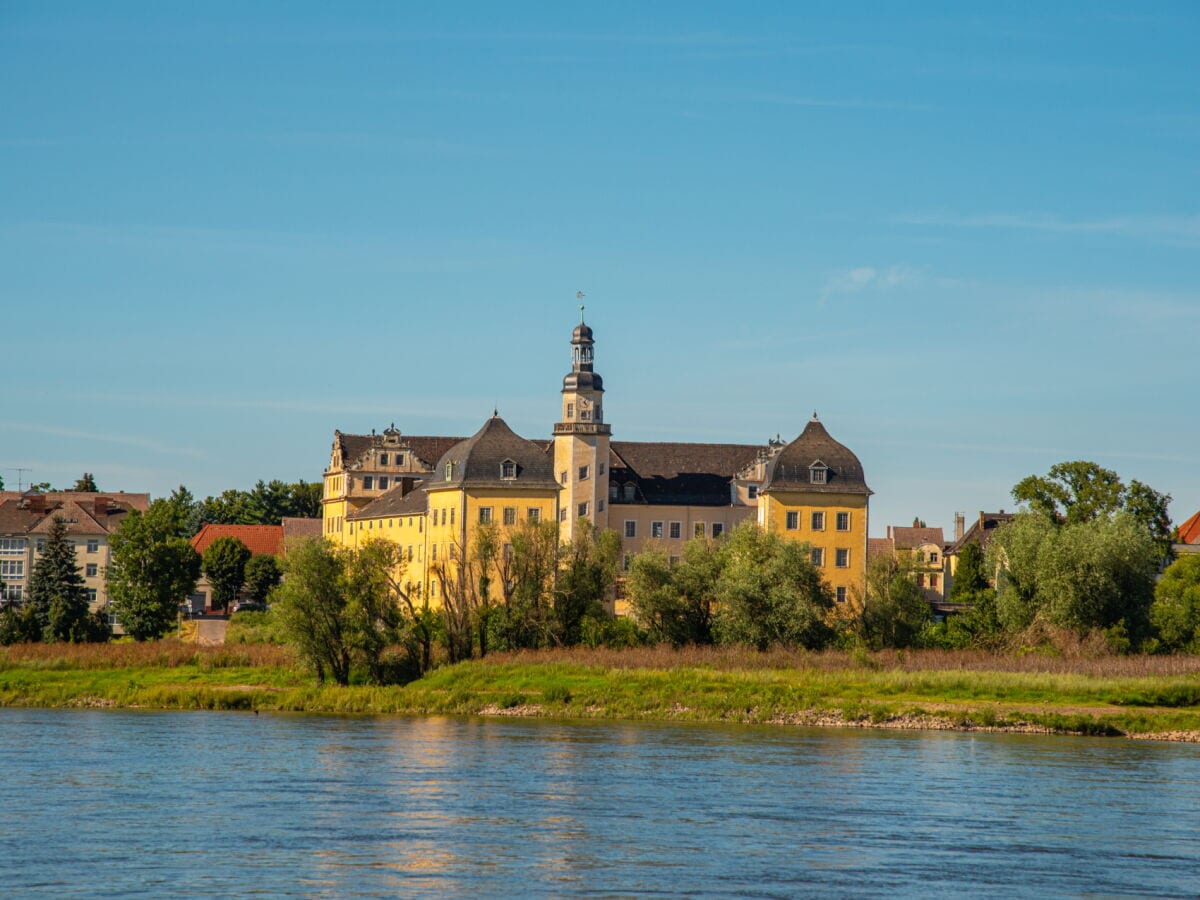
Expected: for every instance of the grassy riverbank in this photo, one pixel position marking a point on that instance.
(1135, 696)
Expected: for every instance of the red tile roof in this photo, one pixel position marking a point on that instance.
(1189, 531)
(258, 538)
(909, 538)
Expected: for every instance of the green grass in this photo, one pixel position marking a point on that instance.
(1100, 699)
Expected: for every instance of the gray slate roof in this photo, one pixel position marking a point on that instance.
(476, 461)
(790, 470)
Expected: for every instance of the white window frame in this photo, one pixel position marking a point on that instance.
(631, 528)
(675, 531)
(842, 517)
(818, 557)
(817, 516)
(791, 520)
(485, 515)
(841, 558)
(93, 545)
(656, 530)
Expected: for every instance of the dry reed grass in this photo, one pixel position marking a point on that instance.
(164, 654)
(731, 658)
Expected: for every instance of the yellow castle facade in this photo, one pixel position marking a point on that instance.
(429, 495)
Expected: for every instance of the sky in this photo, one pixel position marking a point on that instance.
(966, 235)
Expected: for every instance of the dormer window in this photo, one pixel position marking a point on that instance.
(449, 471)
(508, 470)
(818, 473)
(628, 489)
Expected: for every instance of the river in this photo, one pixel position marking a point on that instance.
(152, 804)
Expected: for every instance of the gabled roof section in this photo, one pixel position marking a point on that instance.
(476, 461)
(427, 448)
(1189, 531)
(877, 547)
(394, 503)
(909, 538)
(258, 538)
(981, 531)
(678, 474)
(791, 469)
(85, 512)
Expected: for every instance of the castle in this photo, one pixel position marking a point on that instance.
(429, 495)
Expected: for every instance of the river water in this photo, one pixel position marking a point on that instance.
(141, 804)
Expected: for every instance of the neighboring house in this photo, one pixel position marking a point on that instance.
(981, 532)
(91, 518)
(296, 529)
(1189, 537)
(925, 547)
(259, 539)
(665, 493)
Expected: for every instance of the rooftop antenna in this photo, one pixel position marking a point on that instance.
(20, 478)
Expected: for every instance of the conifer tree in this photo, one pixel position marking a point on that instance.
(57, 592)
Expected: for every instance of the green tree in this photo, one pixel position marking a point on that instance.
(86, 484)
(524, 574)
(676, 603)
(894, 608)
(56, 591)
(262, 574)
(152, 569)
(311, 606)
(372, 613)
(19, 624)
(305, 500)
(769, 592)
(1175, 612)
(225, 567)
(970, 575)
(585, 581)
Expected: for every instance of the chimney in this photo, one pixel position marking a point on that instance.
(35, 503)
(960, 522)
(889, 532)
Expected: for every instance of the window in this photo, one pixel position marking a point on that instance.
(600, 471)
(449, 470)
(752, 491)
(451, 516)
(562, 477)
(920, 580)
(383, 458)
(920, 556)
(676, 531)
(933, 557)
(585, 415)
(698, 530)
(454, 551)
(583, 509)
(718, 529)
(93, 546)
(41, 545)
(842, 558)
(818, 521)
(485, 515)
(371, 525)
(841, 595)
(562, 515)
(818, 556)
(583, 473)
(508, 470)
(433, 552)
(510, 515)
(533, 514)
(433, 588)
(816, 474)
(933, 579)
(410, 553)
(421, 525)
(399, 459)
(570, 411)
(625, 562)
(656, 529)
(91, 570)
(793, 521)
(843, 521)
(614, 491)
(12, 591)
(630, 528)
(600, 506)
(91, 596)
(629, 489)
(12, 568)
(368, 483)
(383, 482)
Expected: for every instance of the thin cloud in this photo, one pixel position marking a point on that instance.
(126, 440)
(1172, 228)
(867, 278)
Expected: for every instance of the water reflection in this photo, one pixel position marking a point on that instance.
(227, 804)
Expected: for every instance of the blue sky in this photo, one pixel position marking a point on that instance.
(967, 236)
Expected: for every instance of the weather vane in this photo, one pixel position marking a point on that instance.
(579, 295)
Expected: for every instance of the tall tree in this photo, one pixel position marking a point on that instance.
(152, 569)
(894, 609)
(57, 591)
(86, 484)
(585, 581)
(676, 603)
(970, 575)
(769, 592)
(262, 575)
(225, 566)
(1175, 612)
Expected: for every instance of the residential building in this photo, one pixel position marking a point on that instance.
(1188, 535)
(664, 493)
(924, 548)
(981, 532)
(90, 517)
(259, 539)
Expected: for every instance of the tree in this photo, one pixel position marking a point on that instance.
(262, 574)
(1175, 612)
(86, 484)
(525, 573)
(585, 581)
(372, 614)
(1081, 491)
(56, 591)
(970, 575)
(676, 603)
(894, 608)
(151, 570)
(41, 487)
(769, 592)
(225, 567)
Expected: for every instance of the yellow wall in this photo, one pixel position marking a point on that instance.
(773, 510)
